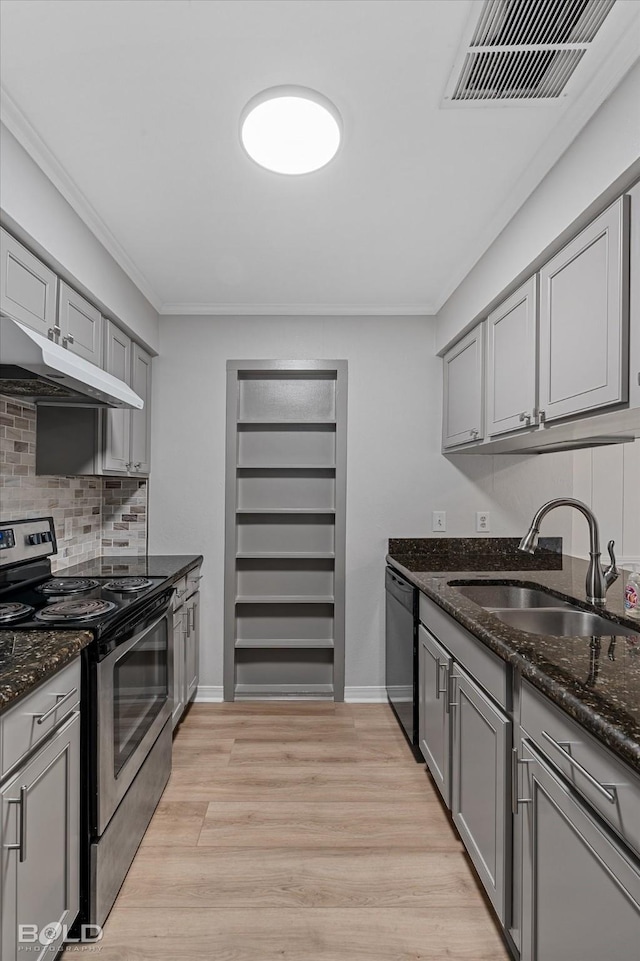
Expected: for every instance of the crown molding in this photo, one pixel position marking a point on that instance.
(609, 75)
(310, 310)
(27, 136)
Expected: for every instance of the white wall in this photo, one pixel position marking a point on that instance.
(34, 208)
(605, 148)
(608, 479)
(396, 474)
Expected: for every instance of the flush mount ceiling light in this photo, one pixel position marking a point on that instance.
(290, 130)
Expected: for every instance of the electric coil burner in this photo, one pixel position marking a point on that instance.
(128, 585)
(14, 612)
(68, 585)
(76, 609)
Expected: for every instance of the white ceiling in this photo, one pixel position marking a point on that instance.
(133, 107)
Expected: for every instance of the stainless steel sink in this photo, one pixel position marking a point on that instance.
(508, 595)
(567, 622)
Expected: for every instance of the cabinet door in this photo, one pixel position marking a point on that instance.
(463, 404)
(40, 853)
(511, 362)
(176, 666)
(584, 319)
(117, 422)
(27, 288)
(141, 419)
(480, 734)
(192, 656)
(434, 718)
(581, 894)
(81, 325)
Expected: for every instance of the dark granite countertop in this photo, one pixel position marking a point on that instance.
(27, 658)
(597, 683)
(171, 566)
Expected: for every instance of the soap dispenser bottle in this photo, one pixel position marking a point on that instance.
(632, 592)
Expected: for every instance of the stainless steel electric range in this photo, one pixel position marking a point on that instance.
(125, 705)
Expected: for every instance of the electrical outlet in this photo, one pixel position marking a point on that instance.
(68, 528)
(438, 521)
(483, 525)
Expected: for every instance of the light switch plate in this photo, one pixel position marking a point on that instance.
(438, 521)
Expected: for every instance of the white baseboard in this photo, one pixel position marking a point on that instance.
(363, 695)
(208, 695)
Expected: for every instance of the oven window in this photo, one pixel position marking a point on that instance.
(140, 690)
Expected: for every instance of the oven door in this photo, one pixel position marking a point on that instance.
(133, 705)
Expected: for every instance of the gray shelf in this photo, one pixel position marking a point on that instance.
(285, 529)
(285, 555)
(286, 510)
(259, 422)
(279, 643)
(284, 599)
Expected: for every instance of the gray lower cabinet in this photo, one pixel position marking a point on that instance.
(192, 646)
(40, 847)
(434, 722)
(176, 666)
(480, 735)
(580, 890)
(185, 652)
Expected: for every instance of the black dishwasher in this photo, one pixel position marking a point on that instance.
(401, 654)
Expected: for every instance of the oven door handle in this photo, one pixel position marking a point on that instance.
(122, 649)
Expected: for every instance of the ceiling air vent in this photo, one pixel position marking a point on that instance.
(524, 49)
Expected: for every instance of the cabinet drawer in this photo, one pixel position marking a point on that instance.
(481, 663)
(21, 728)
(542, 720)
(180, 593)
(193, 581)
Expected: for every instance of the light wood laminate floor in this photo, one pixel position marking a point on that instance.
(297, 831)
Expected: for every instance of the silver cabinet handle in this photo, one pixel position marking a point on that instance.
(440, 690)
(525, 418)
(602, 788)
(128, 465)
(474, 433)
(137, 466)
(67, 340)
(52, 710)
(515, 760)
(452, 683)
(21, 846)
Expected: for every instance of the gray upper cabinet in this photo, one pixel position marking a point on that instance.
(581, 892)
(584, 319)
(80, 325)
(141, 419)
(27, 288)
(512, 362)
(463, 401)
(117, 361)
(479, 795)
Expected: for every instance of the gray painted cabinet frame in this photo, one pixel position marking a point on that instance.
(285, 528)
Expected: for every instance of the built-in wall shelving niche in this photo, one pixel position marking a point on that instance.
(285, 529)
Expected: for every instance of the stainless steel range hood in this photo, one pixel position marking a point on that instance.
(39, 370)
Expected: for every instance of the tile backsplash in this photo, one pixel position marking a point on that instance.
(93, 516)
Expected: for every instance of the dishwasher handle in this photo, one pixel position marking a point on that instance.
(398, 587)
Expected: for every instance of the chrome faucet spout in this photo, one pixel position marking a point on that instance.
(597, 580)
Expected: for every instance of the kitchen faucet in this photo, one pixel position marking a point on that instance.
(598, 581)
